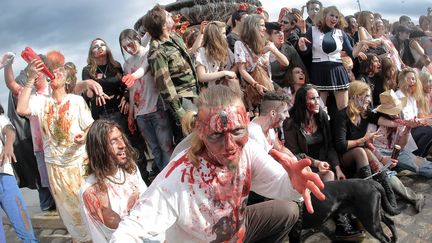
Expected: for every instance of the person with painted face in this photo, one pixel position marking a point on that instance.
(201, 195)
(64, 120)
(352, 140)
(411, 88)
(352, 29)
(114, 182)
(102, 68)
(147, 107)
(325, 41)
(313, 7)
(308, 134)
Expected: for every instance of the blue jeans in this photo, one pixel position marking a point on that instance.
(156, 130)
(13, 204)
(411, 162)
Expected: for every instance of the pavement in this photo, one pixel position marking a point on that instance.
(411, 227)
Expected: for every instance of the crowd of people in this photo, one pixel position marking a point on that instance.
(244, 119)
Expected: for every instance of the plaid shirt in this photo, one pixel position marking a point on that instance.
(173, 70)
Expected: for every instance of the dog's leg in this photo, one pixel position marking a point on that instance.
(370, 217)
(390, 224)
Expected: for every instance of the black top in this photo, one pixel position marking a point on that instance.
(232, 38)
(345, 130)
(376, 85)
(314, 142)
(296, 140)
(110, 80)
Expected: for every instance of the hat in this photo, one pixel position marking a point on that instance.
(273, 26)
(417, 33)
(390, 103)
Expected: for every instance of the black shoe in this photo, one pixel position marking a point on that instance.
(345, 231)
(384, 181)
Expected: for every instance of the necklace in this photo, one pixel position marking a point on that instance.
(118, 180)
(103, 72)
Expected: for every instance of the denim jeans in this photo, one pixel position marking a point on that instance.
(156, 130)
(12, 202)
(411, 162)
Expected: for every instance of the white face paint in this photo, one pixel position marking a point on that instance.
(363, 101)
(98, 48)
(130, 46)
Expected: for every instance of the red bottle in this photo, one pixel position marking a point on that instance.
(28, 55)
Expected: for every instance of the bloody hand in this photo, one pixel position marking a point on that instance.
(302, 180)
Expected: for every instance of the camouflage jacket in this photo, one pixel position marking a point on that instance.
(173, 70)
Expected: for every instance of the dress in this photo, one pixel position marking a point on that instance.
(327, 72)
(122, 198)
(192, 204)
(59, 124)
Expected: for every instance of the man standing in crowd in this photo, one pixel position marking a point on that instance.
(171, 65)
(201, 195)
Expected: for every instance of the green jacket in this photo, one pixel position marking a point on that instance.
(174, 71)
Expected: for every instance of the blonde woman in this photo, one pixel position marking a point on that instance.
(326, 40)
(411, 88)
(215, 61)
(352, 138)
(426, 105)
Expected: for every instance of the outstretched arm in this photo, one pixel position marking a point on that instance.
(302, 180)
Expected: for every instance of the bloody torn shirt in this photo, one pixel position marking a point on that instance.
(205, 203)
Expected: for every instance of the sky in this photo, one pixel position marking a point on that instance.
(70, 26)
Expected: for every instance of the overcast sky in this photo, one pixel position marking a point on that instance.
(69, 26)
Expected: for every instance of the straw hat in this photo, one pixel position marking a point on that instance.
(390, 103)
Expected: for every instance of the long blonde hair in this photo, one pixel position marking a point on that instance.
(250, 34)
(423, 103)
(356, 88)
(216, 95)
(214, 43)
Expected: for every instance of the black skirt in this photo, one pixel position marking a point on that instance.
(329, 76)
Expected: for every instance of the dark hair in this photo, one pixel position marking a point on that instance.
(313, 2)
(101, 161)
(272, 100)
(348, 29)
(404, 18)
(289, 76)
(128, 34)
(1, 110)
(365, 66)
(154, 21)
(299, 109)
(113, 66)
(237, 15)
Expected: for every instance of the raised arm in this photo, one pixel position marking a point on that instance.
(33, 68)
(10, 81)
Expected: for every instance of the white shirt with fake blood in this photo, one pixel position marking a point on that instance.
(204, 203)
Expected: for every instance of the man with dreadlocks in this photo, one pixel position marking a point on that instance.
(114, 182)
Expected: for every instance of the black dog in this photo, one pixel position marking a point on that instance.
(363, 198)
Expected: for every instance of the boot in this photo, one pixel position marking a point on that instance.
(345, 230)
(364, 172)
(384, 181)
(417, 199)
